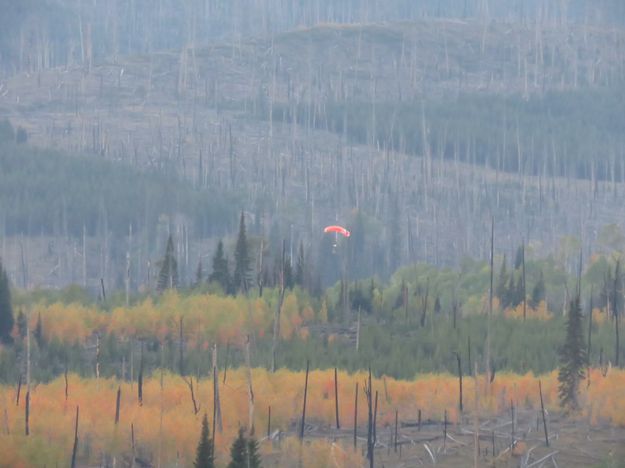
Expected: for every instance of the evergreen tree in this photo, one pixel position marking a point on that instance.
(253, 457)
(289, 279)
(518, 292)
(572, 358)
(6, 309)
(204, 454)
(538, 292)
(221, 273)
(199, 274)
(38, 333)
(299, 266)
(518, 259)
(241, 274)
(168, 276)
(437, 306)
(508, 298)
(501, 288)
(238, 452)
(21, 324)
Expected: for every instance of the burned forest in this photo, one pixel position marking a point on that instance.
(310, 233)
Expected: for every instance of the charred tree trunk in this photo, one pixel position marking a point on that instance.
(75, 449)
(542, 410)
(301, 433)
(250, 389)
(355, 416)
(117, 402)
(336, 398)
(459, 382)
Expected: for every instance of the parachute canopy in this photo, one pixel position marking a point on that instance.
(338, 230)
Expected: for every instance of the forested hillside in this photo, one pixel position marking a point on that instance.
(312, 233)
(413, 134)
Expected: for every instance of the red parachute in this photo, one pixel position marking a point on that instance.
(337, 230)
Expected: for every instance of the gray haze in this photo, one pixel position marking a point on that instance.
(411, 122)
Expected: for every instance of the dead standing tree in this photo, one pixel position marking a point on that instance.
(370, 420)
(276, 317)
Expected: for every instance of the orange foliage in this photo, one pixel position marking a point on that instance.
(166, 426)
(205, 318)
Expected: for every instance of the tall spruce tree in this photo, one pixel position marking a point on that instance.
(204, 455)
(6, 309)
(168, 276)
(538, 293)
(572, 358)
(238, 452)
(299, 266)
(241, 276)
(501, 290)
(221, 273)
(253, 458)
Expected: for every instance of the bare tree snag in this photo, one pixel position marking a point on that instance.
(524, 286)
(370, 446)
(589, 336)
(97, 357)
(27, 408)
(476, 421)
(181, 346)
(19, 389)
(189, 382)
(66, 382)
(132, 445)
(75, 449)
(445, 431)
(303, 425)
(27, 414)
(140, 381)
(355, 415)
(396, 430)
(269, 422)
(216, 399)
(117, 402)
(375, 419)
(336, 398)
(490, 300)
(227, 359)
(459, 382)
(276, 317)
(250, 389)
(512, 441)
(542, 410)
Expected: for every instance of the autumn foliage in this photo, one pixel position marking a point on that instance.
(167, 429)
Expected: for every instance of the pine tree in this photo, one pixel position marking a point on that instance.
(199, 274)
(299, 266)
(21, 324)
(437, 306)
(238, 452)
(572, 358)
(538, 293)
(6, 309)
(204, 454)
(518, 259)
(501, 288)
(38, 333)
(253, 458)
(168, 276)
(289, 279)
(241, 276)
(221, 273)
